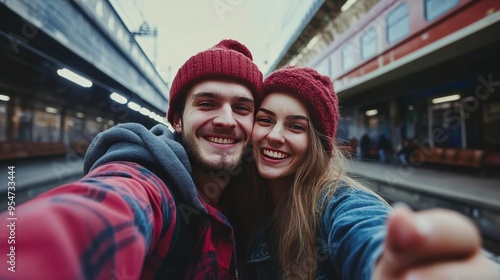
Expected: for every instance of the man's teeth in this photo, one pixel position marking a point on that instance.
(272, 154)
(221, 140)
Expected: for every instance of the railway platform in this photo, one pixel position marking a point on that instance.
(468, 188)
(470, 194)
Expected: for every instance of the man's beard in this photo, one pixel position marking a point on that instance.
(227, 162)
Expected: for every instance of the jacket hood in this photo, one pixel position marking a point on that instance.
(151, 148)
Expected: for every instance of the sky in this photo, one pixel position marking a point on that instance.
(186, 27)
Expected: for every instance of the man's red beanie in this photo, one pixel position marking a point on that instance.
(317, 93)
(228, 60)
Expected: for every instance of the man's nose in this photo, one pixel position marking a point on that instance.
(225, 117)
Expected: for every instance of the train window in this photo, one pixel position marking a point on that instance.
(47, 125)
(369, 43)
(3, 121)
(22, 121)
(398, 23)
(92, 127)
(348, 57)
(73, 130)
(436, 8)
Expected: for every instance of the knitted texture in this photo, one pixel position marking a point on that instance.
(228, 60)
(317, 93)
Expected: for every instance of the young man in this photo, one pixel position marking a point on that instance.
(141, 211)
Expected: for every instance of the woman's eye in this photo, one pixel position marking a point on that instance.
(263, 120)
(297, 127)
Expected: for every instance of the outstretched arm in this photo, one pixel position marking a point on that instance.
(433, 244)
(104, 226)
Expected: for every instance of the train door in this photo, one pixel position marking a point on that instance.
(491, 116)
(447, 125)
(3, 119)
(22, 122)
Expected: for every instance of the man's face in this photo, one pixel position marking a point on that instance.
(216, 124)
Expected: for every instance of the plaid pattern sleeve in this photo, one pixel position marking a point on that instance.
(114, 223)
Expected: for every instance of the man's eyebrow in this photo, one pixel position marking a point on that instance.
(245, 99)
(211, 94)
(204, 94)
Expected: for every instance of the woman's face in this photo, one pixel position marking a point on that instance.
(280, 136)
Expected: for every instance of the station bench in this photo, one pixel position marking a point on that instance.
(456, 157)
(469, 158)
(18, 150)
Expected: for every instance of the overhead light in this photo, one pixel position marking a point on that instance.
(134, 106)
(158, 118)
(75, 78)
(144, 111)
(371, 112)
(4, 97)
(51, 110)
(446, 99)
(347, 5)
(98, 119)
(411, 107)
(118, 98)
(80, 115)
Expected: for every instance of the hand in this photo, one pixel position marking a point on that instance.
(433, 244)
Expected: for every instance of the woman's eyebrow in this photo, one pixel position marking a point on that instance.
(297, 117)
(294, 117)
(267, 111)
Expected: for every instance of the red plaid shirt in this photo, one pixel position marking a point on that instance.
(115, 223)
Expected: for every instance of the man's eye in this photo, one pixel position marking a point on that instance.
(205, 104)
(243, 108)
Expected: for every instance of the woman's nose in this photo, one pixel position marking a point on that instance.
(276, 134)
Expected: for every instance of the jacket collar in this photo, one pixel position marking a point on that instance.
(259, 250)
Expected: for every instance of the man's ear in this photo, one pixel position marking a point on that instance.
(177, 123)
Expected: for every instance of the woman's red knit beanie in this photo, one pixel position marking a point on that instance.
(317, 93)
(228, 60)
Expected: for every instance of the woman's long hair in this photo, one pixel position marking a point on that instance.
(242, 204)
(296, 217)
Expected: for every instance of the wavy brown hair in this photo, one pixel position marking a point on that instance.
(296, 216)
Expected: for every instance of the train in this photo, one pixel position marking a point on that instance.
(420, 70)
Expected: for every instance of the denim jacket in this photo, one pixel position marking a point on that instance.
(351, 233)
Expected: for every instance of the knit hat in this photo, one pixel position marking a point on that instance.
(228, 60)
(317, 93)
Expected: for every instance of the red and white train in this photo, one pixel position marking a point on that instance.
(423, 70)
(395, 33)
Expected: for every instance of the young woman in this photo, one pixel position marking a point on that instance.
(318, 223)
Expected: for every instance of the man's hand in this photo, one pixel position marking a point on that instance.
(433, 244)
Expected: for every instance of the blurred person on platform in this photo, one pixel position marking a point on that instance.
(384, 148)
(365, 146)
(403, 152)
